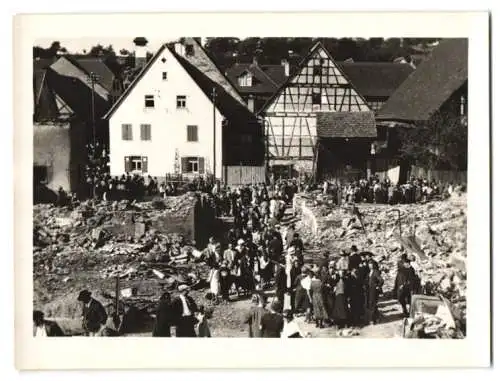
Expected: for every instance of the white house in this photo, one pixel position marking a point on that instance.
(166, 121)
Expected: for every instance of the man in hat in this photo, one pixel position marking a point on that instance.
(184, 309)
(405, 284)
(298, 244)
(45, 328)
(94, 315)
(354, 258)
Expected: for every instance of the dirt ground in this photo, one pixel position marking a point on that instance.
(56, 295)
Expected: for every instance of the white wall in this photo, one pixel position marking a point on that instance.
(168, 124)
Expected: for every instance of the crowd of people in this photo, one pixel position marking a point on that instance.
(374, 190)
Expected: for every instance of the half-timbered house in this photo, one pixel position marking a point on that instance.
(318, 120)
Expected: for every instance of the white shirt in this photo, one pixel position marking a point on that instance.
(306, 283)
(289, 329)
(185, 309)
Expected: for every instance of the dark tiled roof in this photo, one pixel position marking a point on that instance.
(104, 74)
(376, 79)
(263, 83)
(430, 85)
(346, 124)
(44, 102)
(208, 76)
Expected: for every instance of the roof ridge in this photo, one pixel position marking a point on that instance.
(134, 82)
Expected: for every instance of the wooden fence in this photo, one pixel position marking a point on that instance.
(244, 175)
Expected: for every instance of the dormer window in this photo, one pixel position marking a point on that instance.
(189, 50)
(245, 80)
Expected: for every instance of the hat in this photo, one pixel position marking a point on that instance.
(183, 287)
(354, 248)
(366, 254)
(276, 305)
(83, 295)
(241, 241)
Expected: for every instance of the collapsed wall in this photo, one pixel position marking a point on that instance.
(89, 246)
(434, 234)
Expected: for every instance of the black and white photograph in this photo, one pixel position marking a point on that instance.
(266, 187)
(313, 187)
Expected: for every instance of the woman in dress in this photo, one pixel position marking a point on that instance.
(340, 313)
(214, 281)
(374, 285)
(302, 293)
(318, 302)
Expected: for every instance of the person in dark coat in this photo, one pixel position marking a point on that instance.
(184, 309)
(340, 311)
(374, 283)
(405, 284)
(294, 274)
(254, 316)
(94, 315)
(164, 317)
(354, 258)
(355, 297)
(280, 282)
(45, 328)
(272, 322)
(299, 248)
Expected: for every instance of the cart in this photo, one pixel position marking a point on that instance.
(430, 306)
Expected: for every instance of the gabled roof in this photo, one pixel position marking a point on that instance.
(206, 74)
(376, 79)
(430, 85)
(44, 102)
(96, 65)
(298, 68)
(263, 82)
(69, 67)
(346, 124)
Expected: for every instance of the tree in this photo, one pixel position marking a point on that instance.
(439, 143)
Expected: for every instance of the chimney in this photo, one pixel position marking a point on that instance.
(251, 103)
(140, 51)
(286, 66)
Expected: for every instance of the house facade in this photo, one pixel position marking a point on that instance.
(319, 86)
(182, 116)
(62, 125)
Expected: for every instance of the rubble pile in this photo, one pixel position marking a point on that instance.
(106, 240)
(433, 234)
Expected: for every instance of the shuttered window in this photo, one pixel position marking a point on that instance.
(164, 75)
(193, 164)
(145, 132)
(136, 164)
(126, 132)
(192, 133)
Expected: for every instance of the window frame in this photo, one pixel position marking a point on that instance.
(179, 99)
(149, 98)
(189, 50)
(191, 161)
(134, 160)
(164, 75)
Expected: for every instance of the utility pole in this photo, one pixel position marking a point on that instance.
(214, 94)
(92, 78)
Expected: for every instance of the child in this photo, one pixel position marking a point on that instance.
(202, 327)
